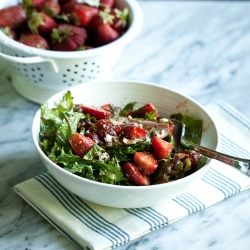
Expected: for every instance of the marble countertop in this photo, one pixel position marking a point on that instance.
(200, 48)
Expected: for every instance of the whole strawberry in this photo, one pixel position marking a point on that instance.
(62, 2)
(51, 8)
(9, 32)
(33, 3)
(41, 23)
(103, 17)
(106, 34)
(34, 40)
(106, 3)
(67, 37)
(120, 20)
(12, 16)
(79, 14)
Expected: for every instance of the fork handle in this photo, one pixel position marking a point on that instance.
(240, 163)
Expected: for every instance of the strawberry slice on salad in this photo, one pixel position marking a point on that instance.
(81, 144)
(134, 175)
(143, 111)
(146, 162)
(98, 113)
(105, 128)
(133, 132)
(161, 148)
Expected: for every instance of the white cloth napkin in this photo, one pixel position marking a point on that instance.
(97, 227)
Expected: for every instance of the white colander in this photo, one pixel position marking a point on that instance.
(37, 71)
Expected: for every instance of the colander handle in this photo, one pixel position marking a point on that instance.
(30, 60)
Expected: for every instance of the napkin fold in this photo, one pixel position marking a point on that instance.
(92, 226)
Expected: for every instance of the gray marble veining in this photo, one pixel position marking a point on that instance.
(199, 48)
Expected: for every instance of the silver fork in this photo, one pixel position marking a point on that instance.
(240, 163)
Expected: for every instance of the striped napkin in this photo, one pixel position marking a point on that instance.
(91, 226)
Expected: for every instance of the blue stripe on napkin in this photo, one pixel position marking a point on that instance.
(78, 208)
(222, 183)
(189, 202)
(230, 147)
(234, 113)
(153, 218)
(60, 229)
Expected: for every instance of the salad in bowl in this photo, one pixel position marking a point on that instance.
(113, 143)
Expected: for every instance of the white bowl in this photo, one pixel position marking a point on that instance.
(39, 74)
(120, 93)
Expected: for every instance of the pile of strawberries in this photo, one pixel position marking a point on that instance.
(65, 25)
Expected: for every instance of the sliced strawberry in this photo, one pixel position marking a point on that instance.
(133, 132)
(68, 37)
(51, 8)
(133, 174)
(79, 14)
(41, 23)
(12, 16)
(141, 112)
(34, 40)
(106, 34)
(146, 162)
(106, 106)
(98, 113)
(81, 144)
(171, 128)
(106, 127)
(94, 137)
(161, 148)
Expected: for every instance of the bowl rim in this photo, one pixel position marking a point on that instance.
(128, 36)
(106, 185)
